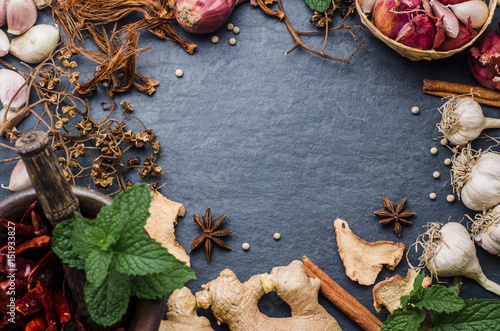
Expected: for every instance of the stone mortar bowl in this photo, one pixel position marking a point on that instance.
(146, 315)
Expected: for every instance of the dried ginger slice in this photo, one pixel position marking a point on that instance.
(364, 260)
(388, 292)
(161, 224)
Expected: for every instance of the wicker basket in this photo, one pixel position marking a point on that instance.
(415, 54)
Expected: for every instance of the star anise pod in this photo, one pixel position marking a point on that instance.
(209, 233)
(394, 213)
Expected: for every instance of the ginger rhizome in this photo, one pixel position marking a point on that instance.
(235, 303)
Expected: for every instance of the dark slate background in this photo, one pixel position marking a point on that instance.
(288, 143)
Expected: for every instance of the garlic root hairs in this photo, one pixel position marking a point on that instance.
(482, 222)
(450, 119)
(462, 163)
(430, 241)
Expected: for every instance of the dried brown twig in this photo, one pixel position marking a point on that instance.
(325, 20)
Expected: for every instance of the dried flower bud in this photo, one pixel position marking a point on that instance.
(61, 159)
(134, 161)
(59, 124)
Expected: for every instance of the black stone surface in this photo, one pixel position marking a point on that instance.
(288, 143)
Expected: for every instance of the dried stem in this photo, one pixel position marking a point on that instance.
(298, 41)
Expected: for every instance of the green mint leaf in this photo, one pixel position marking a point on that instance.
(63, 247)
(141, 255)
(419, 280)
(97, 266)
(108, 303)
(404, 320)
(80, 243)
(440, 299)
(95, 235)
(477, 314)
(319, 5)
(128, 213)
(156, 285)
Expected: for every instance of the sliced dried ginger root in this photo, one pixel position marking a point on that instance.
(364, 260)
(388, 292)
(161, 224)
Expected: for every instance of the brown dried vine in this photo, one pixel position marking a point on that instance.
(98, 21)
(325, 19)
(85, 147)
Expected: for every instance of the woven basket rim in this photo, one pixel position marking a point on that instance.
(415, 54)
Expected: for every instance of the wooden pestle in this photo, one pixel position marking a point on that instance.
(57, 201)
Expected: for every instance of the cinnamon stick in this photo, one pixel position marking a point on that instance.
(447, 89)
(342, 299)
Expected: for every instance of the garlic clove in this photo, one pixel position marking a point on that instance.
(367, 5)
(475, 10)
(3, 18)
(35, 45)
(450, 21)
(19, 178)
(21, 15)
(10, 82)
(4, 44)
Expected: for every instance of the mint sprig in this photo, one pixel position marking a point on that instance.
(119, 261)
(439, 308)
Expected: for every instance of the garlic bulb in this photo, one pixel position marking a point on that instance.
(35, 45)
(476, 178)
(449, 251)
(11, 82)
(3, 19)
(474, 10)
(463, 120)
(19, 178)
(21, 15)
(4, 44)
(486, 230)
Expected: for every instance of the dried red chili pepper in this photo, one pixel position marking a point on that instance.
(61, 306)
(20, 229)
(4, 301)
(20, 286)
(28, 304)
(23, 267)
(37, 242)
(44, 295)
(26, 215)
(39, 269)
(11, 246)
(36, 324)
(39, 226)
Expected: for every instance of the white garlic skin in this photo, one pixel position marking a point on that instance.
(4, 44)
(35, 45)
(482, 189)
(472, 122)
(489, 238)
(19, 178)
(456, 255)
(10, 82)
(21, 15)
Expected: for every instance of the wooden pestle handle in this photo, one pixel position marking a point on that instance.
(54, 193)
(57, 201)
